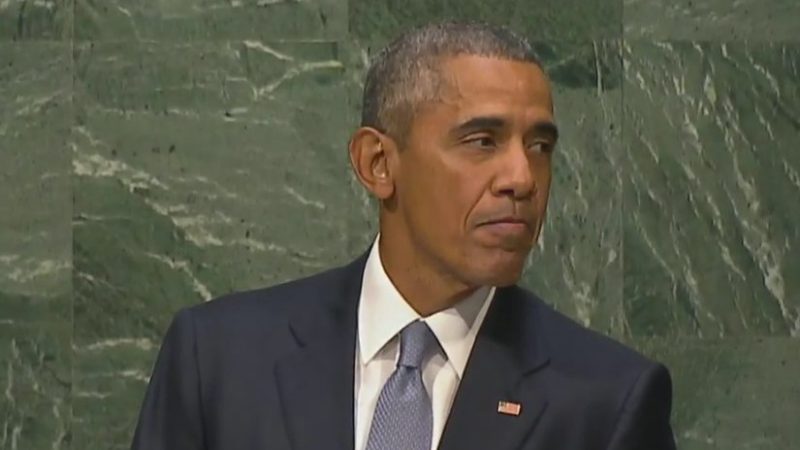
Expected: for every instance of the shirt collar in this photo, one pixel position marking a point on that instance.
(383, 312)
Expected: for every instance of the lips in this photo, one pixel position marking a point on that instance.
(506, 227)
(510, 220)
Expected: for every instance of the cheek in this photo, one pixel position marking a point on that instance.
(430, 196)
(450, 199)
(454, 198)
(543, 178)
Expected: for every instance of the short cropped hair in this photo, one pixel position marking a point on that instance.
(407, 72)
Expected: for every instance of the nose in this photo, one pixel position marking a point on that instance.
(515, 175)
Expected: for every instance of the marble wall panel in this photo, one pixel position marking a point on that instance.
(735, 393)
(199, 169)
(376, 22)
(36, 20)
(209, 20)
(578, 264)
(712, 178)
(35, 247)
(712, 20)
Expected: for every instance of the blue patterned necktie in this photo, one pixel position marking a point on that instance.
(403, 418)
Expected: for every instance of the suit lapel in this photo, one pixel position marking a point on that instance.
(316, 381)
(503, 366)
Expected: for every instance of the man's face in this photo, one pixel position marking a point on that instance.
(474, 175)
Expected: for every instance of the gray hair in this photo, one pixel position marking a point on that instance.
(406, 73)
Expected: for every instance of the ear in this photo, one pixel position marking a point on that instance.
(370, 154)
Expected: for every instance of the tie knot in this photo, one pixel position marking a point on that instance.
(416, 341)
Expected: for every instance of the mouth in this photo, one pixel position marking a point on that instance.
(509, 226)
(506, 220)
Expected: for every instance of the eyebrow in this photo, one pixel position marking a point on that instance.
(545, 127)
(479, 123)
(496, 122)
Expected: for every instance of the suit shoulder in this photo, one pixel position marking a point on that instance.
(581, 349)
(269, 304)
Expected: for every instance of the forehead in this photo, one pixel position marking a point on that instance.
(478, 84)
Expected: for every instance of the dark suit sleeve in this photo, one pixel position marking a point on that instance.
(170, 418)
(644, 422)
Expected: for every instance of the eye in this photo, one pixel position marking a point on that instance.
(542, 147)
(481, 142)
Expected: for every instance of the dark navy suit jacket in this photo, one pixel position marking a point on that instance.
(272, 369)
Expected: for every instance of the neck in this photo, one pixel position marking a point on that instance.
(423, 284)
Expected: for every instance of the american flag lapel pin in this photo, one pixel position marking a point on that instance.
(509, 408)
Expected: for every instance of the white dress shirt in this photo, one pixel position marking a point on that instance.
(382, 314)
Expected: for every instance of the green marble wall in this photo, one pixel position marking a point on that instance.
(155, 154)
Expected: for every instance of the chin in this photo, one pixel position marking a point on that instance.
(506, 278)
(498, 272)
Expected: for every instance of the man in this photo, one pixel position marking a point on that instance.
(424, 341)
